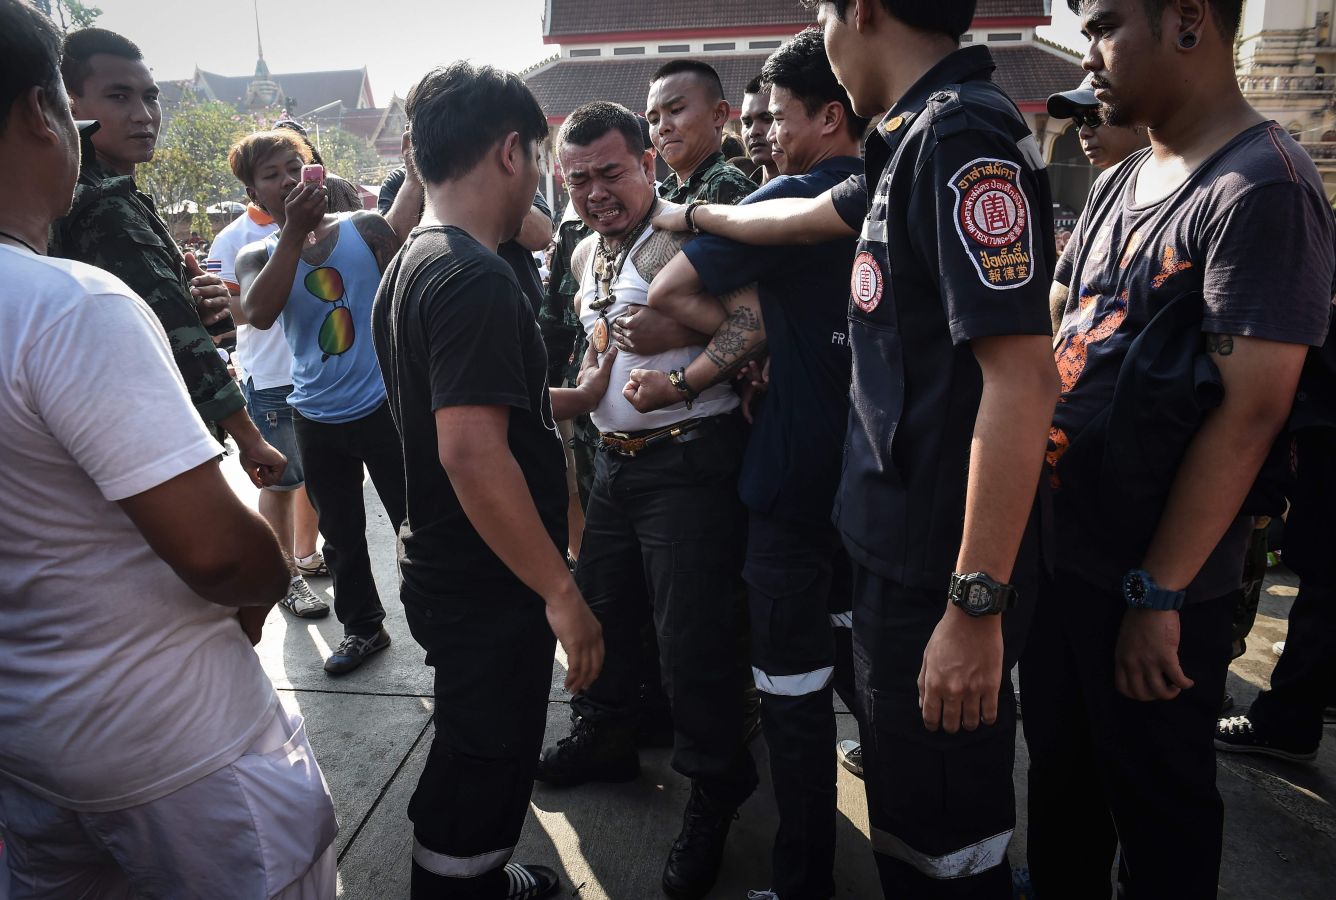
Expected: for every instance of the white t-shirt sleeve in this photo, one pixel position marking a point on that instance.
(224, 249)
(103, 380)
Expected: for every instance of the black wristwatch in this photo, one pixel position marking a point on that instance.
(678, 379)
(978, 595)
(1141, 592)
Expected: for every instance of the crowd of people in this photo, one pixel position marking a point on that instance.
(835, 416)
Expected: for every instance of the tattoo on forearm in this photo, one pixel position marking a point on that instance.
(736, 342)
(1219, 344)
(651, 256)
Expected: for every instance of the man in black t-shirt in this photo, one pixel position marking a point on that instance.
(1197, 274)
(485, 584)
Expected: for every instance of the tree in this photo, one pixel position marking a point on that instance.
(347, 155)
(70, 13)
(190, 165)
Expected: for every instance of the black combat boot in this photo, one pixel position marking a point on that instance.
(593, 751)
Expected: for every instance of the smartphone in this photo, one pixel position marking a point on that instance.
(313, 173)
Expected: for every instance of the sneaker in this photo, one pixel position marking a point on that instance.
(354, 650)
(591, 752)
(530, 882)
(694, 860)
(851, 756)
(1237, 735)
(302, 602)
(312, 566)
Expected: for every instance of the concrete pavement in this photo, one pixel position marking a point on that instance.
(371, 730)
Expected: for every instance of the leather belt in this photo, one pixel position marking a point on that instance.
(636, 442)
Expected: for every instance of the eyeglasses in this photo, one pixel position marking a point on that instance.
(1090, 118)
(336, 332)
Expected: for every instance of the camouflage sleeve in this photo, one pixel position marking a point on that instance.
(113, 234)
(731, 186)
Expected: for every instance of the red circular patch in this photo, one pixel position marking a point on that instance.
(993, 213)
(866, 284)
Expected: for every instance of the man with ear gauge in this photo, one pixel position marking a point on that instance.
(1175, 325)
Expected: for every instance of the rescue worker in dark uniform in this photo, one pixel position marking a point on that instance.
(953, 387)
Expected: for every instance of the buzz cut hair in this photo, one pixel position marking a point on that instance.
(704, 71)
(82, 45)
(593, 120)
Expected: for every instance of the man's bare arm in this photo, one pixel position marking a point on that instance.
(962, 664)
(1218, 470)
(247, 569)
(473, 448)
(786, 220)
(406, 210)
(678, 293)
(266, 281)
(536, 232)
(379, 236)
(1057, 303)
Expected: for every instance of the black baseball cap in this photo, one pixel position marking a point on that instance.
(1068, 103)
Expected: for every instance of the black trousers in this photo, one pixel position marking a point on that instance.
(942, 806)
(1304, 680)
(333, 456)
(799, 594)
(664, 538)
(492, 652)
(1106, 770)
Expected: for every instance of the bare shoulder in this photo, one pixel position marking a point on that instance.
(660, 247)
(580, 258)
(251, 258)
(378, 234)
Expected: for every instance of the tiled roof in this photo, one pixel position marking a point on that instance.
(310, 89)
(1030, 74)
(568, 83)
(613, 16)
(1027, 73)
(1010, 9)
(608, 16)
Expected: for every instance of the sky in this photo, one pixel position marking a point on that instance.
(397, 40)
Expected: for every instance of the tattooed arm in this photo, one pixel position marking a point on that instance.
(679, 294)
(1219, 468)
(739, 340)
(379, 237)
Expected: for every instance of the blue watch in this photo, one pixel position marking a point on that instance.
(1141, 592)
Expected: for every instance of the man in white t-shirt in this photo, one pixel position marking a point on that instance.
(144, 751)
(263, 362)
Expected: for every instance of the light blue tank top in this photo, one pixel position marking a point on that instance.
(335, 375)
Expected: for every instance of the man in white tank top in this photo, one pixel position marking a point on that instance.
(664, 527)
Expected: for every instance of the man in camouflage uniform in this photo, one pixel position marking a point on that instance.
(115, 226)
(687, 111)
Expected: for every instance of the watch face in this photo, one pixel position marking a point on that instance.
(978, 597)
(1136, 588)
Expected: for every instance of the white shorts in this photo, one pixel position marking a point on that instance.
(260, 828)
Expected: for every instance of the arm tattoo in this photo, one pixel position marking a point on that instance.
(654, 254)
(738, 341)
(1219, 344)
(379, 237)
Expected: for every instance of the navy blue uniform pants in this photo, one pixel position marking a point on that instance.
(1304, 681)
(492, 652)
(1106, 770)
(336, 457)
(664, 539)
(798, 589)
(941, 806)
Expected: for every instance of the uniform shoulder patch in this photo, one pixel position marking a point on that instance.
(992, 217)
